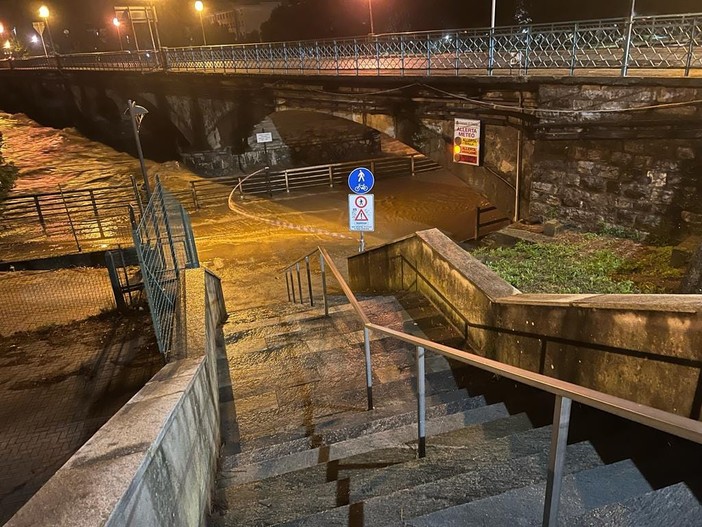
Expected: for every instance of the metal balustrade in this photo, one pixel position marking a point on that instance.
(671, 42)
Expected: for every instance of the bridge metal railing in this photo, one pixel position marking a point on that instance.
(670, 42)
(165, 245)
(565, 392)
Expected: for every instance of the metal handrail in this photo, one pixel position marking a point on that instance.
(565, 392)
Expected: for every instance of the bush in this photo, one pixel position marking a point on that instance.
(8, 174)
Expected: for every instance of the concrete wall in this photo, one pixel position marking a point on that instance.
(154, 462)
(646, 348)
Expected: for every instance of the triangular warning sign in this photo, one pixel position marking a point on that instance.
(361, 216)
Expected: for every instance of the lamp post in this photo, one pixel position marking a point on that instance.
(136, 114)
(370, 16)
(199, 7)
(44, 13)
(116, 23)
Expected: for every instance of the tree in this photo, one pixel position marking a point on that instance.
(8, 174)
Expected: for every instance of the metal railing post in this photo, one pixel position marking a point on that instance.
(331, 176)
(377, 56)
(292, 286)
(412, 167)
(96, 214)
(691, 47)
(369, 371)
(627, 44)
(491, 52)
(287, 182)
(402, 55)
(355, 52)
(421, 405)
(428, 56)
(559, 438)
(324, 285)
(285, 57)
(167, 224)
(336, 58)
(299, 281)
(287, 285)
(309, 280)
(574, 51)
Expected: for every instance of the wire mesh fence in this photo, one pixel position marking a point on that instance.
(33, 299)
(165, 246)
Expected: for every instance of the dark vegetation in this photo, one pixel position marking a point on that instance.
(8, 174)
(584, 263)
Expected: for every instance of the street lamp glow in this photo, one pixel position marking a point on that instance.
(44, 12)
(2, 29)
(116, 22)
(7, 45)
(34, 39)
(199, 6)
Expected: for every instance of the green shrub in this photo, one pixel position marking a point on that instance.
(556, 268)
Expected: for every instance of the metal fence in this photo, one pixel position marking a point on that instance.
(92, 215)
(671, 42)
(214, 191)
(165, 245)
(34, 299)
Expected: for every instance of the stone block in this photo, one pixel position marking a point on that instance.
(593, 184)
(685, 153)
(682, 252)
(621, 158)
(552, 227)
(543, 187)
(692, 218)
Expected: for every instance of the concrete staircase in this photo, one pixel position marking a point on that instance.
(300, 449)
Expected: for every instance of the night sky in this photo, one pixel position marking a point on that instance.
(342, 17)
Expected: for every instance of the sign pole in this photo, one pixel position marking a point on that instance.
(362, 244)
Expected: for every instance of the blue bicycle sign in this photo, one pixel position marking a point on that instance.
(361, 180)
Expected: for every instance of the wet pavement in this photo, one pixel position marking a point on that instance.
(58, 386)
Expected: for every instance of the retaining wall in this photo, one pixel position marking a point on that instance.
(155, 461)
(645, 348)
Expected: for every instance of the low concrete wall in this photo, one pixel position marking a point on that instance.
(646, 348)
(155, 461)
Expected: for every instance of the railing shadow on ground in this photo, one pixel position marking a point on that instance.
(565, 392)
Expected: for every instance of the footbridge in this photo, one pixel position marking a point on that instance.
(593, 122)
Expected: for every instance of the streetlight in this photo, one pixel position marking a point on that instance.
(2, 29)
(136, 114)
(370, 16)
(491, 57)
(199, 7)
(44, 13)
(116, 23)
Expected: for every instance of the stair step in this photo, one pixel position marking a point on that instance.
(350, 425)
(239, 474)
(581, 492)
(675, 505)
(440, 387)
(479, 444)
(396, 508)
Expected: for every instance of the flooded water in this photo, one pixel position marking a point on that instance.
(48, 157)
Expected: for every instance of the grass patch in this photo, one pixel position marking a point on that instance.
(558, 268)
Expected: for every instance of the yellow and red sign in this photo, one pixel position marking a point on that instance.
(466, 142)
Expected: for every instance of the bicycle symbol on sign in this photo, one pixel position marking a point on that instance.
(360, 188)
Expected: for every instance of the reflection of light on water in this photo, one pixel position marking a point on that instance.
(48, 157)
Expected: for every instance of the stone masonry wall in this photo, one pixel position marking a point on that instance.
(637, 170)
(651, 187)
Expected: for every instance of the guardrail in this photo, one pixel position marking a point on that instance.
(657, 42)
(213, 191)
(82, 214)
(564, 392)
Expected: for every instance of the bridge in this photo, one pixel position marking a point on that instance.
(642, 45)
(594, 122)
